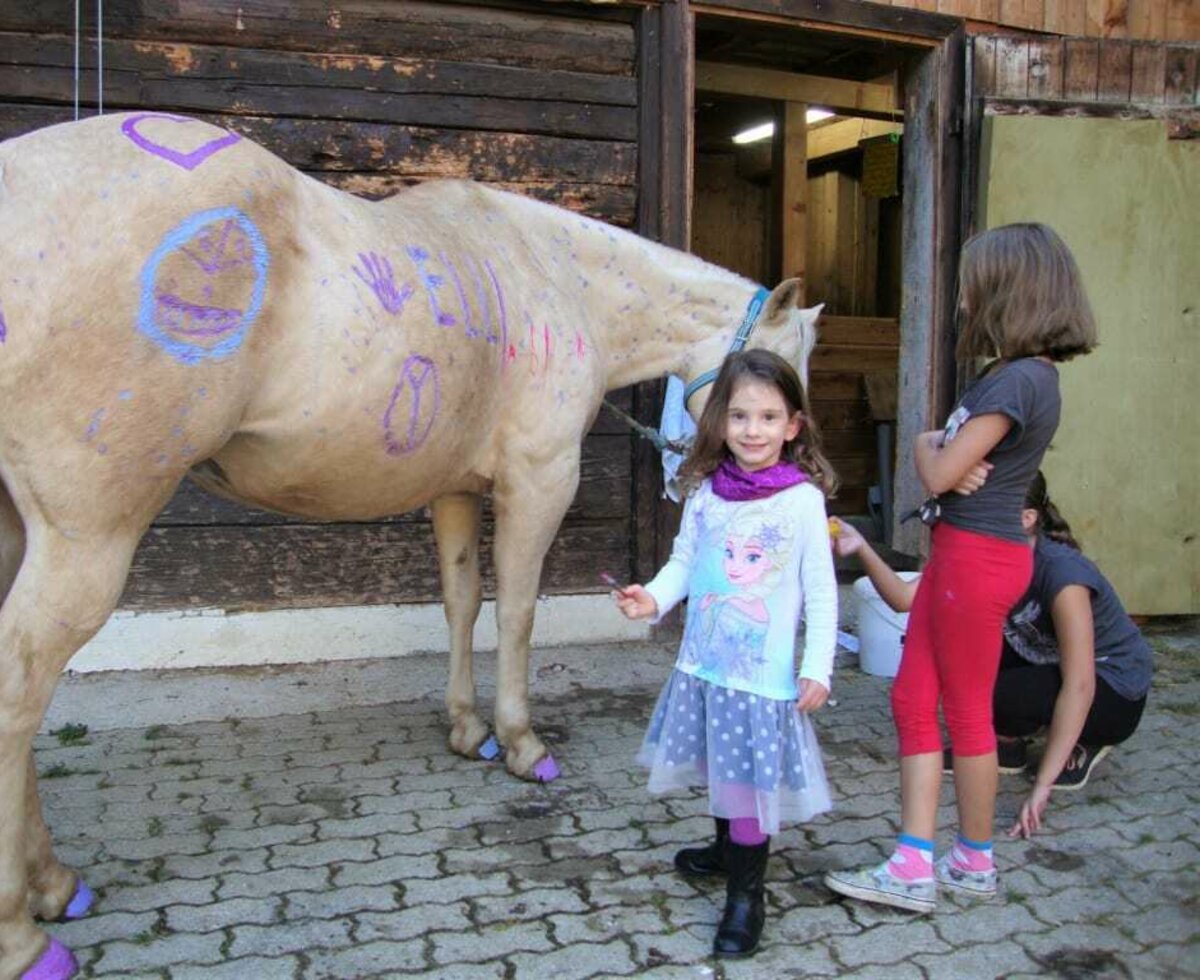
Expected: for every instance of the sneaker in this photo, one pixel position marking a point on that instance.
(1079, 766)
(879, 885)
(1012, 757)
(980, 884)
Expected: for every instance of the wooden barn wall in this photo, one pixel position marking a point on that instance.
(1152, 20)
(367, 97)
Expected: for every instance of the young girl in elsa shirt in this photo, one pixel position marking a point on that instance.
(752, 552)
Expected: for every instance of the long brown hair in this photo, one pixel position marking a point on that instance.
(1050, 522)
(1021, 295)
(709, 449)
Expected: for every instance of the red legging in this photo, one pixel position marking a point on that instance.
(952, 648)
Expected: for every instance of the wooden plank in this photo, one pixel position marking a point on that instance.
(677, 58)
(850, 98)
(1148, 73)
(1116, 18)
(859, 331)
(833, 416)
(792, 169)
(1179, 116)
(831, 357)
(842, 135)
(1148, 19)
(1027, 14)
(1081, 69)
(835, 385)
(599, 41)
(849, 221)
(1012, 67)
(304, 566)
(1183, 21)
(1181, 75)
(1067, 17)
(985, 65)
(1045, 68)
(844, 16)
(1115, 74)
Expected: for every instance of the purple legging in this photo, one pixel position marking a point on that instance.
(746, 832)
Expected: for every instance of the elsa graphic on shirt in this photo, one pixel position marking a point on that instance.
(730, 632)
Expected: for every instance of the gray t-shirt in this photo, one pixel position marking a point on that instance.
(1025, 390)
(1123, 657)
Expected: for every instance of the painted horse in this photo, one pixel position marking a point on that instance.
(177, 302)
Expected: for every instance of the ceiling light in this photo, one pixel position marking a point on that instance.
(767, 130)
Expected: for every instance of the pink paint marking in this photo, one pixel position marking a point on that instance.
(189, 160)
(548, 345)
(510, 355)
(580, 345)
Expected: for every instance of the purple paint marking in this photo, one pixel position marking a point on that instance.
(546, 770)
(377, 273)
(431, 281)
(189, 160)
(416, 375)
(482, 292)
(500, 302)
(468, 329)
(194, 320)
(94, 424)
(3, 328)
(217, 250)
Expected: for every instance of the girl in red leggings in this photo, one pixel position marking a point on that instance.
(1022, 304)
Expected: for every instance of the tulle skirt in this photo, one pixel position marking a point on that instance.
(758, 757)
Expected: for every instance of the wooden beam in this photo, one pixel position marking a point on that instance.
(792, 170)
(844, 134)
(849, 98)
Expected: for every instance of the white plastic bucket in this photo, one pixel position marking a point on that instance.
(880, 629)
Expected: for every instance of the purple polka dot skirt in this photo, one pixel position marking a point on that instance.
(758, 757)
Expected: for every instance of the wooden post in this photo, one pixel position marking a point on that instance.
(791, 174)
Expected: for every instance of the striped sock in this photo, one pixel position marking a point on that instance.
(972, 855)
(912, 860)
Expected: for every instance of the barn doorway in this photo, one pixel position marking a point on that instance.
(799, 156)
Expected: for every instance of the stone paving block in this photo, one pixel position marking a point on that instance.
(322, 854)
(246, 968)
(139, 898)
(100, 927)
(609, 923)
(296, 936)
(406, 868)
(888, 944)
(267, 835)
(412, 923)
(960, 921)
(537, 903)
(577, 960)
(214, 862)
(408, 802)
(367, 960)
(160, 951)
(218, 915)
(336, 902)
(473, 859)
(802, 926)
(441, 891)
(369, 826)
(269, 883)
(1164, 923)
(479, 945)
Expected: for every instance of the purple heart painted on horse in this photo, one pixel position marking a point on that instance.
(458, 340)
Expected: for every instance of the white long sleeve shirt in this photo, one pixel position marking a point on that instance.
(748, 569)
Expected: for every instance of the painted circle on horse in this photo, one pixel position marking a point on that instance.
(203, 286)
(413, 407)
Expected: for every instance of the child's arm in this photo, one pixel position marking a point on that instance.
(670, 586)
(819, 585)
(892, 589)
(635, 602)
(1075, 633)
(944, 466)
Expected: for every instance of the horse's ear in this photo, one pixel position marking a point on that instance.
(783, 299)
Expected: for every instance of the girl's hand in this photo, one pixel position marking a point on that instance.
(1030, 818)
(812, 696)
(846, 541)
(635, 602)
(976, 477)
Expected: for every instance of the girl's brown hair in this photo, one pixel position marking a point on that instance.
(1050, 522)
(1021, 295)
(709, 449)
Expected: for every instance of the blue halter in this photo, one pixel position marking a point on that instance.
(739, 341)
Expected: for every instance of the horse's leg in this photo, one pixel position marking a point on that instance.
(63, 593)
(531, 500)
(456, 519)
(51, 884)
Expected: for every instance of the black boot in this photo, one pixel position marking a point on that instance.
(742, 924)
(704, 862)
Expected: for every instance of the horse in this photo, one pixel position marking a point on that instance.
(176, 301)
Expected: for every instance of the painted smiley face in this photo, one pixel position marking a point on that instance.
(203, 287)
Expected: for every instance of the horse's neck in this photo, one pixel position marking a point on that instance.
(649, 306)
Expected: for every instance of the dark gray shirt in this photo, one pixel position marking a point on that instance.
(1026, 391)
(1123, 657)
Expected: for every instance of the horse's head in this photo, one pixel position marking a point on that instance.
(781, 325)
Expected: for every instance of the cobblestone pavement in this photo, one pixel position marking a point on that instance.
(351, 843)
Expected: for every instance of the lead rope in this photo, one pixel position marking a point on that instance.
(646, 432)
(100, 57)
(76, 60)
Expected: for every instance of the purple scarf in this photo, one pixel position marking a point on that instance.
(731, 482)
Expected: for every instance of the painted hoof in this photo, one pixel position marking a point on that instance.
(546, 770)
(81, 902)
(490, 750)
(56, 963)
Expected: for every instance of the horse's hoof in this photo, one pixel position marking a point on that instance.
(467, 737)
(81, 902)
(56, 963)
(546, 769)
(490, 750)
